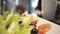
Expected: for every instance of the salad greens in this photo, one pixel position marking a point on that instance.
(9, 23)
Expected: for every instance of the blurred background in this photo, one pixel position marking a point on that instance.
(33, 6)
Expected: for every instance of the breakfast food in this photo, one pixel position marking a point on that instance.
(17, 24)
(11, 23)
(44, 28)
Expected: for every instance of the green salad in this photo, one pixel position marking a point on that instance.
(11, 23)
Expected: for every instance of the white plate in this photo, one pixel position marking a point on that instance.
(55, 28)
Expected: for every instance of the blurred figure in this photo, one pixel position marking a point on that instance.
(38, 9)
(25, 4)
(20, 9)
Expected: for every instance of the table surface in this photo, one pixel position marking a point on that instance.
(55, 28)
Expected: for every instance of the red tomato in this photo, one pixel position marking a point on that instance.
(33, 22)
(41, 32)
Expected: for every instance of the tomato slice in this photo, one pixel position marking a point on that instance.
(41, 32)
(44, 27)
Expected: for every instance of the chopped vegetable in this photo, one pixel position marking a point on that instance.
(11, 23)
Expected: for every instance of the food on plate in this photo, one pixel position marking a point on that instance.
(34, 31)
(17, 24)
(33, 23)
(41, 32)
(44, 28)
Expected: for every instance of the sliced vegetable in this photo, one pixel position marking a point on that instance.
(44, 27)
